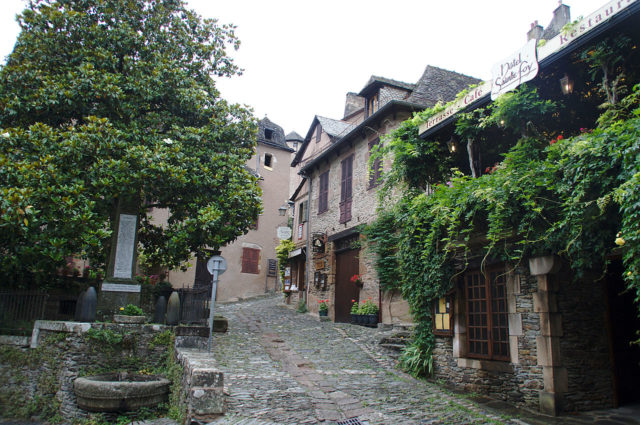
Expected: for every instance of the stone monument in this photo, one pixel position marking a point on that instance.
(119, 287)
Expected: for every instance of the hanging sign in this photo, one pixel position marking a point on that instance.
(520, 67)
(283, 232)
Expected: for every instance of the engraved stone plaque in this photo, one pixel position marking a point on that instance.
(125, 246)
(120, 287)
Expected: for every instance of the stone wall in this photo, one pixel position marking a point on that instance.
(584, 346)
(59, 352)
(560, 360)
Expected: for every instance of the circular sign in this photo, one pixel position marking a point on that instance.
(284, 232)
(217, 263)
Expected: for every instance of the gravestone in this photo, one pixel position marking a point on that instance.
(78, 311)
(173, 309)
(160, 310)
(88, 305)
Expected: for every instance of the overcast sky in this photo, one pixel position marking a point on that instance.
(301, 57)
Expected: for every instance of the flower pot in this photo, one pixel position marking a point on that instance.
(372, 319)
(323, 313)
(354, 318)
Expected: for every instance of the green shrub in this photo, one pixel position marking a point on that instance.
(131, 310)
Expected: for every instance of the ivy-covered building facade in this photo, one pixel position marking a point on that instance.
(521, 267)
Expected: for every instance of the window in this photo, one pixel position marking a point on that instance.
(375, 172)
(372, 105)
(442, 316)
(268, 133)
(487, 319)
(318, 132)
(250, 260)
(303, 213)
(346, 189)
(268, 160)
(323, 197)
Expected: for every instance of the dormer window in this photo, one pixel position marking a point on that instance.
(268, 134)
(372, 104)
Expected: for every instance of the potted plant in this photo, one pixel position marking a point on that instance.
(323, 309)
(356, 279)
(131, 314)
(354, 311)
(370, 312)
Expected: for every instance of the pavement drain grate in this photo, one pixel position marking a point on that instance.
(350, 421)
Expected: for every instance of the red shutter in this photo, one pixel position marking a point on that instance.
(250, 260)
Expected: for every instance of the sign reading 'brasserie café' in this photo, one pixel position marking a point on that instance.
(520, 67)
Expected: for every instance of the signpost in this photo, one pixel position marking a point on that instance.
(216, 266)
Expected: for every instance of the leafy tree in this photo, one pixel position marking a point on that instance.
(107, 101)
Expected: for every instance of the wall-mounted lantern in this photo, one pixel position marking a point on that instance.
(282, 210)
(318, 244)
(452, 145)
(566, 84)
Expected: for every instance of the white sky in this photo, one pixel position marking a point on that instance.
(301, 58)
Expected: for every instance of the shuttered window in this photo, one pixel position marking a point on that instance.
(375, 172)
(487, 316)
(323, 196)
(250, 260)
(346, 184)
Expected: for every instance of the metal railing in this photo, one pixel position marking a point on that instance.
(19, 309)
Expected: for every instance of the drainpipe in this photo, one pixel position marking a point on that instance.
(306, 269)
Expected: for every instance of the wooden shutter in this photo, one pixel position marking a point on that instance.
(323, 197)
(250, 260)
(346, 186)
(318, 132)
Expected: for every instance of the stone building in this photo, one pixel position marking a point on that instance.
(528, 333)
(251, 258)
(336, 192)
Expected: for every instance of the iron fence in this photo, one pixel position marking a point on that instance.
(19, 309)
(194, 305)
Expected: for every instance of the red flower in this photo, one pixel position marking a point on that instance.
(560, 137)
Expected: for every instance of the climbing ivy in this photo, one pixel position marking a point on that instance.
(553, 192)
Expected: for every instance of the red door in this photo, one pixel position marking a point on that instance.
(346, 266)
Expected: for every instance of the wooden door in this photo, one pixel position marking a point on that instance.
(346, 266)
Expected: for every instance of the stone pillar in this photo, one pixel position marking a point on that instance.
(548, 342)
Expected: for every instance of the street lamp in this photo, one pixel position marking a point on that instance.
(282, 210)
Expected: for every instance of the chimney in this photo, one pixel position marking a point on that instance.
(353, 103)
(535, 32)
(561, 17)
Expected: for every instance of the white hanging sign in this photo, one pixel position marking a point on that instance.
(518, 68)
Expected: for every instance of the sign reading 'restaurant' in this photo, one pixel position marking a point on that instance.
(518, 68)
(559, 42)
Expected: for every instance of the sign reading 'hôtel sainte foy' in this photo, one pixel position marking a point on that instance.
(554, 45)
(514, 70)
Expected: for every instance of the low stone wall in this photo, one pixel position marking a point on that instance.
(38, 380)
(202, 384)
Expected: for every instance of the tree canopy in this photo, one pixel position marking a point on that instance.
(103, 100)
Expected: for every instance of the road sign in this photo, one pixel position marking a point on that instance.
(217, 263)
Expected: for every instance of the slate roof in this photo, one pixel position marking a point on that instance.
(294, 137)
(375, 82)
(277, 139)
(437, 84)
(334, 128)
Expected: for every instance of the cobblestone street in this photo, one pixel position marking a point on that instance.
(284, 367)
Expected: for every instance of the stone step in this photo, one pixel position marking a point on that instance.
(394, 347)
